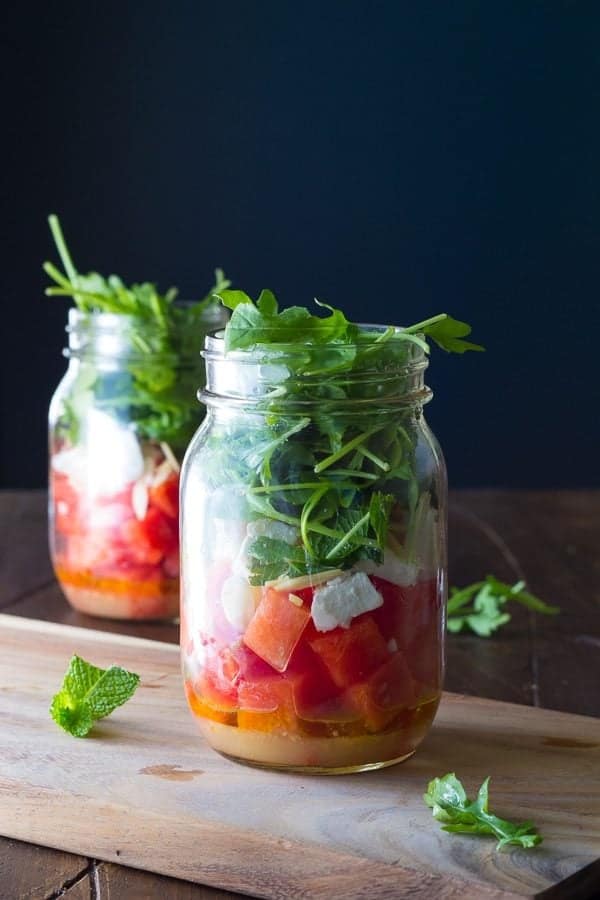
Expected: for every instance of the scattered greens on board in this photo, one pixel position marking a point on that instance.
(450, 805)
(479, 607)
(336, 481)
(89, 693)
(156, 391)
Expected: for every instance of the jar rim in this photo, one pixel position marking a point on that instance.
(304, 374)
(214, 346)
(213, 314)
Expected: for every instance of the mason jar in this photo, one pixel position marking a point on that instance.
(119, 423)
(314, 556)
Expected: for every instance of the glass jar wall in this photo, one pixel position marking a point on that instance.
(120, 421)
(314, 557)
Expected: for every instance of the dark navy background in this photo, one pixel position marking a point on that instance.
(396, 159)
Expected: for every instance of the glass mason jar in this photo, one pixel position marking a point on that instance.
(120, 421)
(314, 558)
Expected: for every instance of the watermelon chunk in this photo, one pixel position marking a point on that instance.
(165, 496)
(276, 627)
(388, 690)
(405, 609)
(351, 654)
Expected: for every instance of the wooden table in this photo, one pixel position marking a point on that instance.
(551, 539)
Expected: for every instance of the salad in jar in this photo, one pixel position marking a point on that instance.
(314, 540)
(120, 421)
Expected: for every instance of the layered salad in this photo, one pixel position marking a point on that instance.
(314, 540)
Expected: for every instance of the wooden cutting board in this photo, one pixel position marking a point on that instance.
(146, 791)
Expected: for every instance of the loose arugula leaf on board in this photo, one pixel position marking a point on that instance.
(89, 693)
(449, 804)
(479, 607)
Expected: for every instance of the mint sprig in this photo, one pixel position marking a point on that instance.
(89, 693)
(479, 607)
(450, 805)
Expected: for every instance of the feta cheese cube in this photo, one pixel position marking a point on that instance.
(338, 601)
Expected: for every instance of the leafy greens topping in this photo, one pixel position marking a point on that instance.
(157, 389)
(89, 693)
(450, 805)
(480, 606)
(333, 449)
(261, 323)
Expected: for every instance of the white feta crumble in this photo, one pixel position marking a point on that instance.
(239, 601)
(107, 461)
(338, 601)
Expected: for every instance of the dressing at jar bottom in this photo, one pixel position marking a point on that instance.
(93, 597)
(344, 747)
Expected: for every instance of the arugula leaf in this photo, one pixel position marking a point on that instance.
(89, 693)
(448, 333)
(479, 606)
(252, 325)
(450, 805)
(158, 389)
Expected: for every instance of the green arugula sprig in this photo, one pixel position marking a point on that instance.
(450, 805)
(261, 323)
(89, 693)
(480, 606)
(158, 388)
(333, 468)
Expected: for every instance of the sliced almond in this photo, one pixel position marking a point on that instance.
(139, 499)
(162, 472)
(170, 456)
(297, 601)
(303, 581)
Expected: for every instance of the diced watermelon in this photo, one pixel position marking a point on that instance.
(276, 627)
(264, 694)
(316, 696)
(351, 654)
(151, 539)
(200, 707)
(218, 682)
(161, 531)
(140, 549)
(165, 496)
(424, 657)
(389, 689)
(405, 609)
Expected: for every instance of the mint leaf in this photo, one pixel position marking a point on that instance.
(450, 805)
(479, 607)
(89, 693)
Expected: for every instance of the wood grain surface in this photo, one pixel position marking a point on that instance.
(551, 538)
(146, 790)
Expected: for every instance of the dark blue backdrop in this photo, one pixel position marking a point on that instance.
(395, 159)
